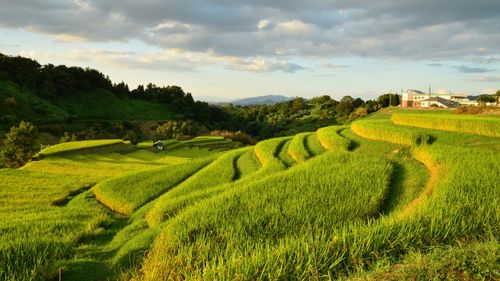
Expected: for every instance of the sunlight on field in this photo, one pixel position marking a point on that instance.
(397, 194)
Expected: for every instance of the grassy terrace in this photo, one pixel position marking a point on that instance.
(77, 146)
(374, 200)
(486, 126)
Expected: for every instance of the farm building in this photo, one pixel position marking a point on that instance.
(419, 99)
(439, 102)
(159, 145)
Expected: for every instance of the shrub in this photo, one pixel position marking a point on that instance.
(240, 136)
(67, 137)
(11, 103)
(19, 145)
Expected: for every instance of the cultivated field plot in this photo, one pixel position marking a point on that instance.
(390, 197)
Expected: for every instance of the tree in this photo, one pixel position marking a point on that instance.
(176, 129)
(388, 99)
(484, 99)
(345, 106)
(497, 97)
(67, 137)
(19, 145)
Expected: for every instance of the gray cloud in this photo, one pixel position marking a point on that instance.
(251, 29)
(467, 69)
(485, 79)
(435, 64)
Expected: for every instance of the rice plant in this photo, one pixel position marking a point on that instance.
(247, 164)
(384, 130)
(331, 140)
(127, 193)
(220, 171)
(471, 124)
(74, 146)
(313, 145)
(249, 230)
(297, 148)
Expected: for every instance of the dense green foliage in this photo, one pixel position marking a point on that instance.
(85, 102)
(19, 145)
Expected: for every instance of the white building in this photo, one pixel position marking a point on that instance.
(416, 98)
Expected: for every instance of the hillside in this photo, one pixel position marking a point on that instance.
(85, 102)
(48, 94)
(93, 105)
(262, 100)
(387, 197)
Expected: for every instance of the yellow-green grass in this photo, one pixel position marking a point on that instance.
(193, 152)
(472, 124)
(331, 140)
(313, 145)
(35, 234)
(267, 153)
(472, 261)
(297, 148)
(95, 168)
(459, 206)
(247, 164)
(384, 130)
(197, 141)
(221, 171)
(127, 193)
(263, 229)
(145, 144)
(409, 176)
(74, 146)
(316, 220)
(149, 157)
(284, 156)
(43, 218)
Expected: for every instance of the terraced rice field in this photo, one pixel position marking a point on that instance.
(374, 200)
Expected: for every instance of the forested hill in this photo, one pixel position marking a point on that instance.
(60, 99)
(51, 94)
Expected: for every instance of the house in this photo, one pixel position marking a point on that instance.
(419, 99)
(439, 102)
(412, 98)
(159, 144)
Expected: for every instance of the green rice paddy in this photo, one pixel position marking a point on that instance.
(395, 196)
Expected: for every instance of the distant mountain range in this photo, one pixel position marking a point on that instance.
(262, 100)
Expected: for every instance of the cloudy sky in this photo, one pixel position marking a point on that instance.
(239, 48)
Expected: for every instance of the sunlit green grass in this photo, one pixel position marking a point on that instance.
(297, 148)
(472, 124)
(374, 200)
(263, 224)
(247, 164)
(127, 193)
(46, 212)
(76, 146)
(313, 145)
(223, 170)
(330, 139)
